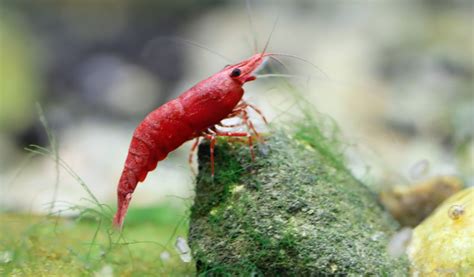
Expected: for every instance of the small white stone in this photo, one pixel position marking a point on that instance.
(6, 257)
(165, 256)
(105, 271)
(419, 169)
(183, 249)
(399, 242)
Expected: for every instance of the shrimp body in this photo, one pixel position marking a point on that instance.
(179, 120)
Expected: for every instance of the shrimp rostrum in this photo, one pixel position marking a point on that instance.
(196, 113)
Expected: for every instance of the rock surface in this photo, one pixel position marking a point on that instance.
(443, 244)
(409, 205)
(295, 210)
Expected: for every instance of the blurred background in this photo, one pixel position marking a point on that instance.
(398, 79)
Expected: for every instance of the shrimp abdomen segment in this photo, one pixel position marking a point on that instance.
(161, 132)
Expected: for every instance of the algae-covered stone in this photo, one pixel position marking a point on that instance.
(443, 244)
(294, 211)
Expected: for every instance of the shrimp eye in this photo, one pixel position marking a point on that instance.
(235, 73)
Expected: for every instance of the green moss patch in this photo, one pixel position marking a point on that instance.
(295, 210)
(56, 246)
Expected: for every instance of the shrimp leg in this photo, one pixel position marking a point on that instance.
(258, 111)
(244, 105)
(191, 152)
(213, 133)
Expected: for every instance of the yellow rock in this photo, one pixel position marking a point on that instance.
(443, 244)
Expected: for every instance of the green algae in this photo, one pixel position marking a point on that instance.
(61, 246)
(295, 210)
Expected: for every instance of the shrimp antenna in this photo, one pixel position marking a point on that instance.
(270, 36)
(279, 62)
(303, 60)
(270, 75)
(147, 50)
(252, 26)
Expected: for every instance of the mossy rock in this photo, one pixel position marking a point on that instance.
(292, 211)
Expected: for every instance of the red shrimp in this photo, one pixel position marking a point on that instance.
(193, 114)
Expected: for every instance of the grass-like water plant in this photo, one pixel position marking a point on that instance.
(86, 243)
